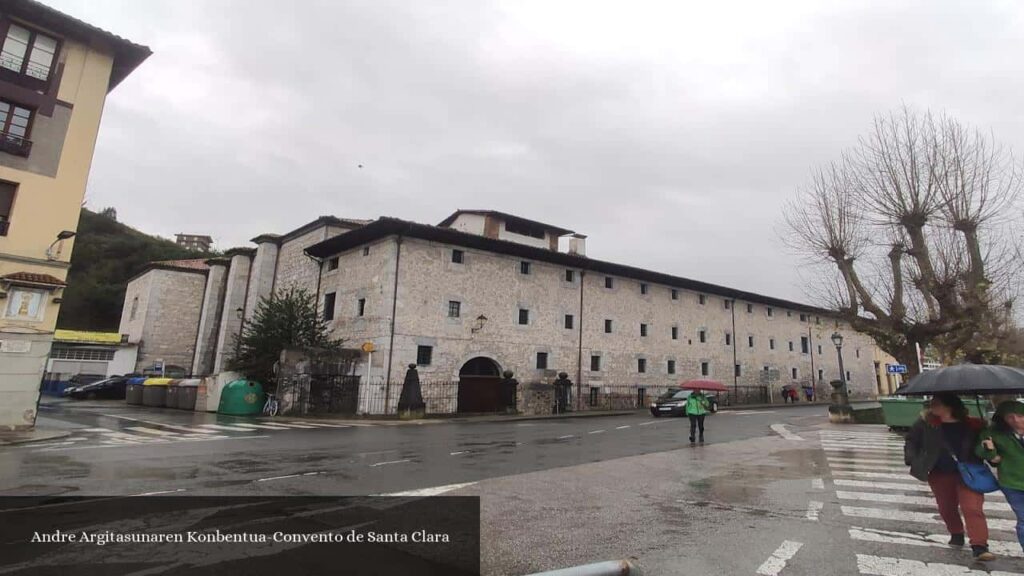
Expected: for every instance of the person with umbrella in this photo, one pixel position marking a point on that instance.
(938, 442)
(698, 405)
(1003, 446)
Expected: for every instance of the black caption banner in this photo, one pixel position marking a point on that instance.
(206, 535)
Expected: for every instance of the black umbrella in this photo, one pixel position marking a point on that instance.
(962, 379)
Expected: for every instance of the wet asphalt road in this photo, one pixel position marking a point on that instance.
(361, 459)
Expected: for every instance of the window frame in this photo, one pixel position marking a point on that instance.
(595, 362)
(333, 263)
(330, 304)
(538, 363)
(454, 309)
(22, 146)
(458, 256)
(641, 365)
(608, 326)
(643, 330)
(644, 289)
(525, 268)
(361, 307)
(429, 350)
(569, 322)
(670, 366)
(22, 73)
(609, 283)
(524, 317)
(705, 368)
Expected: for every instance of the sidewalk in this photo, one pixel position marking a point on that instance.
(34, 435)
(393, 421)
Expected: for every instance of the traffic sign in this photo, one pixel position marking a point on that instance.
(896, 368)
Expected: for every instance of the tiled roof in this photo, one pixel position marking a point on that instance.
(190, 264)
(33, 278)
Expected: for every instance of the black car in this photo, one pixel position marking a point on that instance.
(112, 388)
(673, 403)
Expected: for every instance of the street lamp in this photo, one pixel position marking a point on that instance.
(240, 313)
(837, 339)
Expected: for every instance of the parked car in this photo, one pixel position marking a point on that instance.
(113, 388)
(83, 379)
(673, 403)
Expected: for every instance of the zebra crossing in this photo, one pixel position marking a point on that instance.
(892, 521)
(146, 432)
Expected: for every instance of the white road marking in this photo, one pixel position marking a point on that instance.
(921, 517)
(325, 424)
(781, 430)
(881, 566)
(151, 441)
(998, 547)
(435, 491)
(884, 475)
(98, 430)
(813, 508)
(840, 459)
(278, 477)
(223, 427)
(874, 452)
(566, 436)
(745, 412)
(459, 452)
(777, 561)
(389, 463)
(818, 484)
(161, 492)
(868, 467)
(596, 432)
(152, 431)
(649, 422)
(622, 427)
(918, 487)
(263, 426)
(911, 500)
(311, 473)
(871, 447)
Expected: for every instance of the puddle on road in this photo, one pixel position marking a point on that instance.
(747, 484)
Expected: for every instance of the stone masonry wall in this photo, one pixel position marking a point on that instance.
(171, 318)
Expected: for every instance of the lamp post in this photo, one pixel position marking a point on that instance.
(840, 410)
(837, 339)
(240, 312)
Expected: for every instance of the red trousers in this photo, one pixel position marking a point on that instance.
(953, 497)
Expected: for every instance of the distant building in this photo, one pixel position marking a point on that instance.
(483, 292)
(195, 242)
(55, 74)
(79, 352)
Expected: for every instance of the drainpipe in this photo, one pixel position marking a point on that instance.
(735, 378)
(810, 350)
(394, 309)
(579, 354)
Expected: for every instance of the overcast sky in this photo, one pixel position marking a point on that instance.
(669, 132)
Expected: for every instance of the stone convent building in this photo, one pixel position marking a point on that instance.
(483, 292)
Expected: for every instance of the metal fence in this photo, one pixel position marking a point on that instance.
(337, 394)
(744, 395)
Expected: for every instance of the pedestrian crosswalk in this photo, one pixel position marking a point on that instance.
(135, 432)
(893, 524)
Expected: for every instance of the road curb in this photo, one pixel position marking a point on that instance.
(36, 437)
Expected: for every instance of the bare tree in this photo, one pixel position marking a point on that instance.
(914, 231)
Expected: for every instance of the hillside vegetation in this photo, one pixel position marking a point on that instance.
(107, 254)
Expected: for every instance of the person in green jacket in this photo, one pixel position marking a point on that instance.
(697, 407)
(1003, 446)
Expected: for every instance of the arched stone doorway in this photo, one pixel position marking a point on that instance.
(480, 386)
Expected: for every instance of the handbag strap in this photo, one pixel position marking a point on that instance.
(949, 449)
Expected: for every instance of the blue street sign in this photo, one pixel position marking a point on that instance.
(896, 368)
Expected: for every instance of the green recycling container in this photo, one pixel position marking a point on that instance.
(901, 412)
(241, 398)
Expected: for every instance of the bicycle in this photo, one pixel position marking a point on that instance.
(271, 406)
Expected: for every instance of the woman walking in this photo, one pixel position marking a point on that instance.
(942, 437)
(1003, 446)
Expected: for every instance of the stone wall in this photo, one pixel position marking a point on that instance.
(171, 317)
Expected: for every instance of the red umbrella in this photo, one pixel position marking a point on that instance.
(712, 385)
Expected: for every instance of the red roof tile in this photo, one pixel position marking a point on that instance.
(33, 278)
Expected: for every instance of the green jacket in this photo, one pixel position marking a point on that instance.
(1011, 467)
(697, 405)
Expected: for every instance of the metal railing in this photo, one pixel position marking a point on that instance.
(15, 144)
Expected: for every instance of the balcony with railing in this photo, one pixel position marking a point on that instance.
(13, 144)
(5, 224)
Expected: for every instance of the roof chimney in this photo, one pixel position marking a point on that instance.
(578, 245)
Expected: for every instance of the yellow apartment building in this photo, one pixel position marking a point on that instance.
(55, 74)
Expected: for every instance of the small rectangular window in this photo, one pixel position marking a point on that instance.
(705, 369)
(805, 345)
(803, 317)
(858, 352)
(454, 308)
(332, 264)
(817, 319)
(609, 282)
(790, 345)
(769, 311)
(366, 250)
(771, 343)
(671, 368)
(329, 301)
(643, 288)
(424, 355)
(675, 332)
(821, 375)
(750, 308)
(21, 42)
(702, 336)
(794, 373)
(568, 321)
(607, 326)
(15, 122)
(750, 341)
(7, 191)
(641, 365)
(570, 275)
(361, 306)
(458, 256)
(848, 378)
(728, 339)
(524, 267)
(737, 370)
(727, 303)
(702, 299)
(542, 360)
(524, 316)
(675, 294)
(819, 349)
(789, 313)
(643, 330)
(595, 363)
